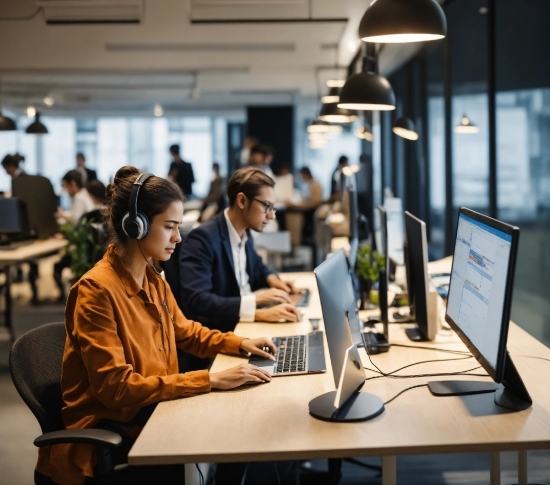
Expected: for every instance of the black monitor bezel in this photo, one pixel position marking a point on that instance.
(498, 372)
(15, 203)
(384, 238)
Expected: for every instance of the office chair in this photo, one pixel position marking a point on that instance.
(35, 367)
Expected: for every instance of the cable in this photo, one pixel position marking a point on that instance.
(449, 351)
(534, 357)
(387, 374)
(200, 473)
(28, 17)
(437, 374)
(357, 462)
(404, 390)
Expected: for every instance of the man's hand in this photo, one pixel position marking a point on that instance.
(258, 346)
(274, 282)
(273, 295)
(285, 312)
(237, 376)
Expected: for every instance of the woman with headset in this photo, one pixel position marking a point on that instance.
(123, 327)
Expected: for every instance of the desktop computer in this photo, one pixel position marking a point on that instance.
(338, 303)
(14, 227)
(425, 296)
(479, 304)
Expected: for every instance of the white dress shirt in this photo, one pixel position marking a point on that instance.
(247, 310)
(82, 203)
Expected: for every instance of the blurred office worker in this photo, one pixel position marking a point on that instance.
(87, 173)
(337, 180)
(219, 267)
(123, 329)
(81, 200)
(312, 192)
(181, 172)
(11, 165)
(261, 157)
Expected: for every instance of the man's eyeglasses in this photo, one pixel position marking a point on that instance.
(269, 207)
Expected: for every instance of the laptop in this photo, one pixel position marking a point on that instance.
(296, 354)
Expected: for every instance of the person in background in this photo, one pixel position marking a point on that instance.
(215, 186)
(248, 143)
(123, 330)
(11, 165)
(220, 268)
(336, 182)
(313, 193)
(181, 172)
(258, 156)
(87, 173)
(96, 189)
(81, 200)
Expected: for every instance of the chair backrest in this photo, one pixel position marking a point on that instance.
(35, 365)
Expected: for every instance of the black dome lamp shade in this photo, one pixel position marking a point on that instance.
(367, 90)
(7, 124)
(401, 21)
(466, 126)
(36, 127)
(331, 113)
(404, 127)
(333, 96)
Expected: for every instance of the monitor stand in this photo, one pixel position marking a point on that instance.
(359, 407)
(415, 335)
(513, 395)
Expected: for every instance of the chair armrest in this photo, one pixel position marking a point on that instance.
(98, 437)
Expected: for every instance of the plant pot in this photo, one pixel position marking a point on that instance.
(365, 287)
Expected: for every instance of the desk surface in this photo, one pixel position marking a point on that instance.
(271, 421)
(30, 251)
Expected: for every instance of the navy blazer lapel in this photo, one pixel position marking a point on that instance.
(249, 257)
(226, 243)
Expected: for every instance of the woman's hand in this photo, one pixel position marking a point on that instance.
(237, 376)
(263, 347)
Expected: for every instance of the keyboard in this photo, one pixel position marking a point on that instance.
(301, 300)
(16, 244)
(291, 354)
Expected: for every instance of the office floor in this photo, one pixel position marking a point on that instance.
(18, 427)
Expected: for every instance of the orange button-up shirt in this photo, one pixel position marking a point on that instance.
(120, 356)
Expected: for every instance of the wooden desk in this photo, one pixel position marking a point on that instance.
(9, 257)
(271, 421)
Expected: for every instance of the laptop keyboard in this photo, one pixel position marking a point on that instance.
(291, 354)
(303, 299)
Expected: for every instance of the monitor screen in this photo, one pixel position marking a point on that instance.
(336, 297)
(382, 240)
(395, 229)
(10, 216)
(417, 246)
(477, 292)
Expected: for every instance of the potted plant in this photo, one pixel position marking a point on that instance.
(82, 248)
(368, 265)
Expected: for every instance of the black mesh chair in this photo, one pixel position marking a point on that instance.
(35, 366)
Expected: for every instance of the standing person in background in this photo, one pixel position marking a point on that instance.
(248, 143)
(336, 182)
(259, 154)
(87, 173)
(11, 165)
(181, 172)
(215, 186)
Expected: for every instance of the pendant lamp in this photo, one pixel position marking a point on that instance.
(333, 114)
(335, 83)
(333, 96)
(404, 127)
(364, 132)
(466, 126)
(36, 127)
(367, 90)
(319, 126)
(401, 21)
(7, 124)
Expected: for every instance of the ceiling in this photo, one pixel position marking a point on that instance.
(121, 57)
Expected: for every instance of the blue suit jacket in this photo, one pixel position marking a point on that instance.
(209, 289)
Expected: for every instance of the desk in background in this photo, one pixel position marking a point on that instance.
(271, 421)
(10, 257)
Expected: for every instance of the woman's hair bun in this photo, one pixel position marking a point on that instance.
(124, 173)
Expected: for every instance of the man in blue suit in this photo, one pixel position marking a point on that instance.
(219, 268)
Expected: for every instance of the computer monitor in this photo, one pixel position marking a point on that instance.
(479, 303)
(336, 297)
(10, 216)
(37, 193)
(395, 230)
(425, 297)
